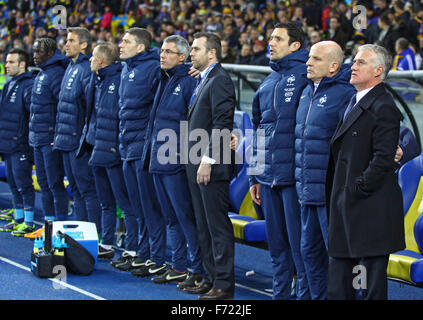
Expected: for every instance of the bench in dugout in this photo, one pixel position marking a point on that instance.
(407, 265)
(246, 217)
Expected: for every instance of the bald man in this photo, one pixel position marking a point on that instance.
(322, 105)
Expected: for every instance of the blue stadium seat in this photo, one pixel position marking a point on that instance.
(407, 265)
(37, 186)
(247, 219)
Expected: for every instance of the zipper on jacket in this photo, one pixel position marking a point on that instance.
(303, 143)
(155, 113)
(276, 114)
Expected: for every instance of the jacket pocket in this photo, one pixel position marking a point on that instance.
(358, 191)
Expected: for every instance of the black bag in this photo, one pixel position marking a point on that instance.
(78, 260)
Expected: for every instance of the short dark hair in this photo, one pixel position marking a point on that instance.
(212, 42)
(141, 36)
(295, 33)
(384, 17)
(22, 55)
(83, 35)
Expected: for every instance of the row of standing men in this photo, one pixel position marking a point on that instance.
(105, 139)
(101, 138)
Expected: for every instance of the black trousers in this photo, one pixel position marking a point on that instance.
(348, 275)
(215, 232)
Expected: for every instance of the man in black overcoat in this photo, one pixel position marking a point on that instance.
(364, 200)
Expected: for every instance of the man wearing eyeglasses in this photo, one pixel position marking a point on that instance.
(163, 156)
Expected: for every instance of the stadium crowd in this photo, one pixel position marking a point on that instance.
(100, 125)
(244, 26)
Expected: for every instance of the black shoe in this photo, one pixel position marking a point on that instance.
(216, 294)
(192, 280)
(105, 254)
(123, 261)
(169, 276)
(138, 263)
(148, 269)
(201, 289)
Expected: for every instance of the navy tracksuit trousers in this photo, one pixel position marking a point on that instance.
(314, 236)
(150, 224)
(50, 174)
(19, 177)
(175, 201)
(281, 210)
(81, 181)
(111, 190)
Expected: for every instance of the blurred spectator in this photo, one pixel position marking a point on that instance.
(239, 22)
(259, 55)
(313, 37)
(228, 53)
(297, 16)
(211, 25)
(419, 55)
(335, 32)
(164, 12)
(415, 26)
(387, 35)
(372, 30)
(230, 35)
(245, 55)
(309, 12)
(332, 4)
(404, 59)
(106, 20)
(350, 51)
(381, 6)
(398, 6)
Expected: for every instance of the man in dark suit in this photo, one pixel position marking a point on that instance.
(211, 117)
(365, 209)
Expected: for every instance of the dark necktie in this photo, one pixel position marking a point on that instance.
(350, 106)
(194, 94)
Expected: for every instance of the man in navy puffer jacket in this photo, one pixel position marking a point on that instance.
(273, 184)
(101, 133)
(169, 110)
(45, 96)
(18, 155)
(71, 111)
(321, 107)
(139, 79)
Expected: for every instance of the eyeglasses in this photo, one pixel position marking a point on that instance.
(168, 52)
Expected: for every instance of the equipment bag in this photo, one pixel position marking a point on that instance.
(78, 260)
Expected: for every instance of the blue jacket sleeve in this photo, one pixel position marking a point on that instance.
(408, 144)
(256, 117)
(27, 95)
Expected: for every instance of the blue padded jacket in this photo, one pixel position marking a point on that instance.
(45, 97)
(318, 115)
(139, 81)
(273, 112)
(14, 113)
(169, 109)
(73, 100)
(103, 132)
